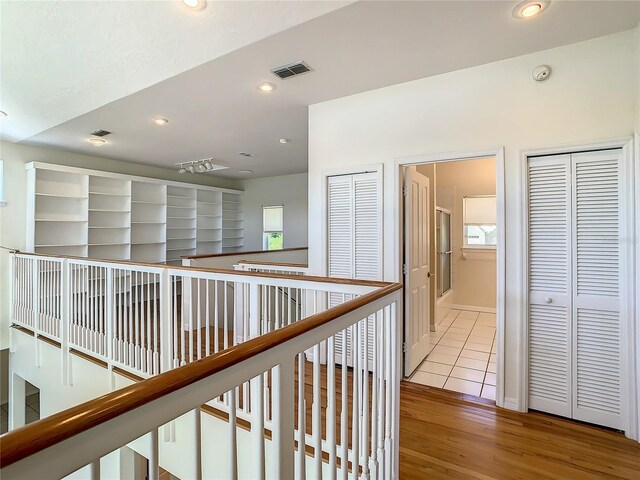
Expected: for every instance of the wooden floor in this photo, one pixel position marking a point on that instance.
(447, 435)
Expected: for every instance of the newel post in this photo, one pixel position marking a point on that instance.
(65, 294)
(165, 321)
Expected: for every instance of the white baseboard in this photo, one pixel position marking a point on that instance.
(510, 403)
(474, 308)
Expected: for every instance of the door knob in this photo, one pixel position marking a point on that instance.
(428, 274)
(548, 300)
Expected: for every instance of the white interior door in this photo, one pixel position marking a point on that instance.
(575, 328)
(417, 274)
(550, 328)
(354, 221)
(597, 354)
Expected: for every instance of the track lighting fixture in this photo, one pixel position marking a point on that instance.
(199, 166)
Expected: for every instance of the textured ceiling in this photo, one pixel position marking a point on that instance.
(215, 109)
(61, 59)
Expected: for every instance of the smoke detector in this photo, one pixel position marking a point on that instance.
(541, 73)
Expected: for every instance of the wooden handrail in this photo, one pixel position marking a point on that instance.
(310, 278)
(30, 439)
(278, 264)
(230, 254)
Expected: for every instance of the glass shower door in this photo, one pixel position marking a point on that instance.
(443, 245)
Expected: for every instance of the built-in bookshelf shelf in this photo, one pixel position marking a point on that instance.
(114, 216)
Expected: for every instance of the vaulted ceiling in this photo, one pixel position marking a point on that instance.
(71, 68)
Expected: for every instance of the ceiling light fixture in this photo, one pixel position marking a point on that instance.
(245, 172)
(199, 166)
(97, 141)
(283, 140)
(195, 4)
(161, 121)
(530, 8)
(266, 87)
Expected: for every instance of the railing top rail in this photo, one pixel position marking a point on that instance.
(278, 264)
(35, 437)
(243, 273)
(231, 254)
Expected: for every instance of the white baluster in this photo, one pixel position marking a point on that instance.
(198, 442)
(331, 406)
(365, 399)
(233, 444)
(316, 413)
(94, 470)
(302, 419)
(283, 426)
(344, 413)
(154, 460)
(257, 425)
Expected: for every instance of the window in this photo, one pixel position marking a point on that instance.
(272, 226)
(479, 220)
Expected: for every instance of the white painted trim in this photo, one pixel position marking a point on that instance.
(398, 225)
(473, 308)
(634, 330)
(510, 403)
(628, 310)
(122, 176)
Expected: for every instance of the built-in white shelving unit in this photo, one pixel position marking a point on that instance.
(88, 213)
(232, 222)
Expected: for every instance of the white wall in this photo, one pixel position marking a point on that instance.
(13, 215)
(590, 96)
(287, 190)
(473, 272)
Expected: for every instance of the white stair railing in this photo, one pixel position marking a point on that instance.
(287, 378)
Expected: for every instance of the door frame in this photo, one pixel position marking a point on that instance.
(398, 217)
(630, 266)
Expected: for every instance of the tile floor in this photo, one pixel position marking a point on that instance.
(463, 355)
(32, 412)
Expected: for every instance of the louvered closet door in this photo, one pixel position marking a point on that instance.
(549, 284)
(354, 232)
(596, 276)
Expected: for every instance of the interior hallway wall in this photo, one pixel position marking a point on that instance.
(291, 191)
(473, 271)
(492, 105)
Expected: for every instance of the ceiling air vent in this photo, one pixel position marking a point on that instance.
(291, 70)
(101, 133)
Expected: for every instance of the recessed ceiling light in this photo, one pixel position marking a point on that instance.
(266, 87)
(195, 4)
(530, 8)
(283, 140)
(245, 172)
(161, 121)
(3, 114)
(97, 141)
